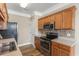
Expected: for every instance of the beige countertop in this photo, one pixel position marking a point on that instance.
(67, 42)
(13, 53)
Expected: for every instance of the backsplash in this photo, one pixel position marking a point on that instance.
(67, 33)
(62, 33)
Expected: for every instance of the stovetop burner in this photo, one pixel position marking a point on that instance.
(44, 38)
(49, 38)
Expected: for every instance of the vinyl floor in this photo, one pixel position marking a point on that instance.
(29, 50)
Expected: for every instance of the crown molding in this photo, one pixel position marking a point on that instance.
(18, 13)
(56, 8)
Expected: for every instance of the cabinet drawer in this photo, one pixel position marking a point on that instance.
(55, 44)
(64, 52)
(59, 49)
(65, 47)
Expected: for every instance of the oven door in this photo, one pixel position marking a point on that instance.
(45, 45)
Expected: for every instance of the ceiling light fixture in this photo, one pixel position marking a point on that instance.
(23, 5)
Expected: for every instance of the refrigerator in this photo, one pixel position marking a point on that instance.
(10, 32)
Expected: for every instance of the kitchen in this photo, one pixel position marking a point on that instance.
(51, 33)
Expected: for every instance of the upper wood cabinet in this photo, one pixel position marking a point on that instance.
(63, 20)
(40, 23)
(3, 16)
(47, 20)
(58, 20)
(43, 21)
(52, 19)
(68, 18)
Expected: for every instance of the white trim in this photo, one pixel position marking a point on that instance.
(20, 45)
(56, 8)
(18, 13)
(37, 13)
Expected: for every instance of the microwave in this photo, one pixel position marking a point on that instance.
(48, 26)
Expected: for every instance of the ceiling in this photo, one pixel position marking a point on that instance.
(39, 7)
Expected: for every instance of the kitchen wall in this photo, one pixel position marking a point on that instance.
(61, 33)
(67, 33)
(77, 29)
(24, 25)
(34, 27)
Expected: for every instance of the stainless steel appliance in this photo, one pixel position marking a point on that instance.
(46, 42)
(48, 26)
(10, 32)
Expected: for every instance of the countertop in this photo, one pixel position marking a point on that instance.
(13, 53)
(67, 41)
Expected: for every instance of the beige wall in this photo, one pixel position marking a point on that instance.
(24, 25)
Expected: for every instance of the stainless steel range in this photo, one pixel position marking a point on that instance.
(46, 42)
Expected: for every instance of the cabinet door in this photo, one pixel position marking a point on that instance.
(1, 13)
(4, 15)
(58, 20)
(37, 43)
(43, 21)
(40, 24)
(68, 16)
(56, 51)
(64, 52)
(3, 10)
(52, 19)
(47, 20)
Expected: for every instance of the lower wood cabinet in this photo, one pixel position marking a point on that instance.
(55, 51)
(37, 42)
(61, 50)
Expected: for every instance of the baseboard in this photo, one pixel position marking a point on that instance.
(20, 45)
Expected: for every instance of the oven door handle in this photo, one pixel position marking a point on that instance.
(45, 41)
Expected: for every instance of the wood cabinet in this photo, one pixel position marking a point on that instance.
(43, 21)
(37, 43)
(64, 20)
(56, 51)
(40, 25)
(68, 18)
(58, 20)
(47, 20)
(3, 16)
(52, 19)
(61, 49)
